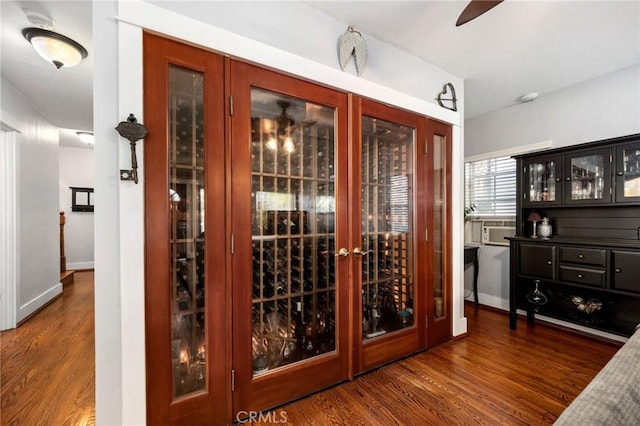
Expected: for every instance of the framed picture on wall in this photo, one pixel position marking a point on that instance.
(81, 199)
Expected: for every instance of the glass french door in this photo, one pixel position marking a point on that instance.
(283, 253)
(185, 295)
(390, 289)
(290, 279)
(438, 212)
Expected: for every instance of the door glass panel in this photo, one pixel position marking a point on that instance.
(387, 227)
(186, 206)
(542, 181)
(587, 177)
(293, 243)
(631, 170)
(439, 192)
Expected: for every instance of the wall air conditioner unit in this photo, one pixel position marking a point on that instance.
(494, 231)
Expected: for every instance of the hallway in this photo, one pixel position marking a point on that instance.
(48, 363)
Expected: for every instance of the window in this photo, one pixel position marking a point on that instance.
(490, 180)
(490, 186)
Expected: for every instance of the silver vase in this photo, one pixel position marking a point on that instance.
(544, 229)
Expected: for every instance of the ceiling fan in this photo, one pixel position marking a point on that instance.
(476, 8)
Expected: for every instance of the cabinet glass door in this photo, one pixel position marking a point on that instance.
(627, 173)
(541, 181)
(290, 282)
(588, 177)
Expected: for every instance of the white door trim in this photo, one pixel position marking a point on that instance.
(8, 230)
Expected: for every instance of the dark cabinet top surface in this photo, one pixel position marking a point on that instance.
(580, 241)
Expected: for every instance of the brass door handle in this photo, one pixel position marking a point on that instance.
(358, 252)
(343, 252)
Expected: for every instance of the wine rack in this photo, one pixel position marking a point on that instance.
(293, 244)
(387, 277)
(186, 207)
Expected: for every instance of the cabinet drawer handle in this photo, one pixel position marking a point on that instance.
(568, 179)
(548, 262)
(558, 179)
(581, 256)
(620, 173)
(580, 276)
(618, 270)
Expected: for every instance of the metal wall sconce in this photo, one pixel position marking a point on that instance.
(132, 131)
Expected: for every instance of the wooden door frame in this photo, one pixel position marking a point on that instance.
(400, 343)
(439, 330)
(268, 390)
(203, 407)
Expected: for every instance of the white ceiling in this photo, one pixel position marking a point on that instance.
(516, 48)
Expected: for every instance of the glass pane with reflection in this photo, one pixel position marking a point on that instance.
(293, 241)
(387, 227)
(186, 207)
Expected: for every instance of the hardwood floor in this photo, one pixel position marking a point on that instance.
(492, 376)
(47, 367)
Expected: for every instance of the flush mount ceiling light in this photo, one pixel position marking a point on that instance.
(61, 51)
(86, 137)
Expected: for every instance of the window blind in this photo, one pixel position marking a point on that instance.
(490, 185)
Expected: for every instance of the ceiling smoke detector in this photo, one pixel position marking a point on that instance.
(38, 19)
(528, 97)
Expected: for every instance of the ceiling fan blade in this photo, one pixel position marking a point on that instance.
(476, 8)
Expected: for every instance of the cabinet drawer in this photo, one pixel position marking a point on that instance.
(593, 277)
(625, 274)
(583, 256)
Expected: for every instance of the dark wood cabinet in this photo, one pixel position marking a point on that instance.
(587, 271)
(625, 266)
(537, 261)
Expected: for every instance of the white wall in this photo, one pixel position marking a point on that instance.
(38, 243)
(602, 108)
(119, 261)
(76, 169)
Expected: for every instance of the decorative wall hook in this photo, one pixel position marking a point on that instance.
(453, 99)
(351, 43)
(132, 131)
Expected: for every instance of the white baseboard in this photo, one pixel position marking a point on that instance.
(38, 302)
(79, 265)
(489, 300)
